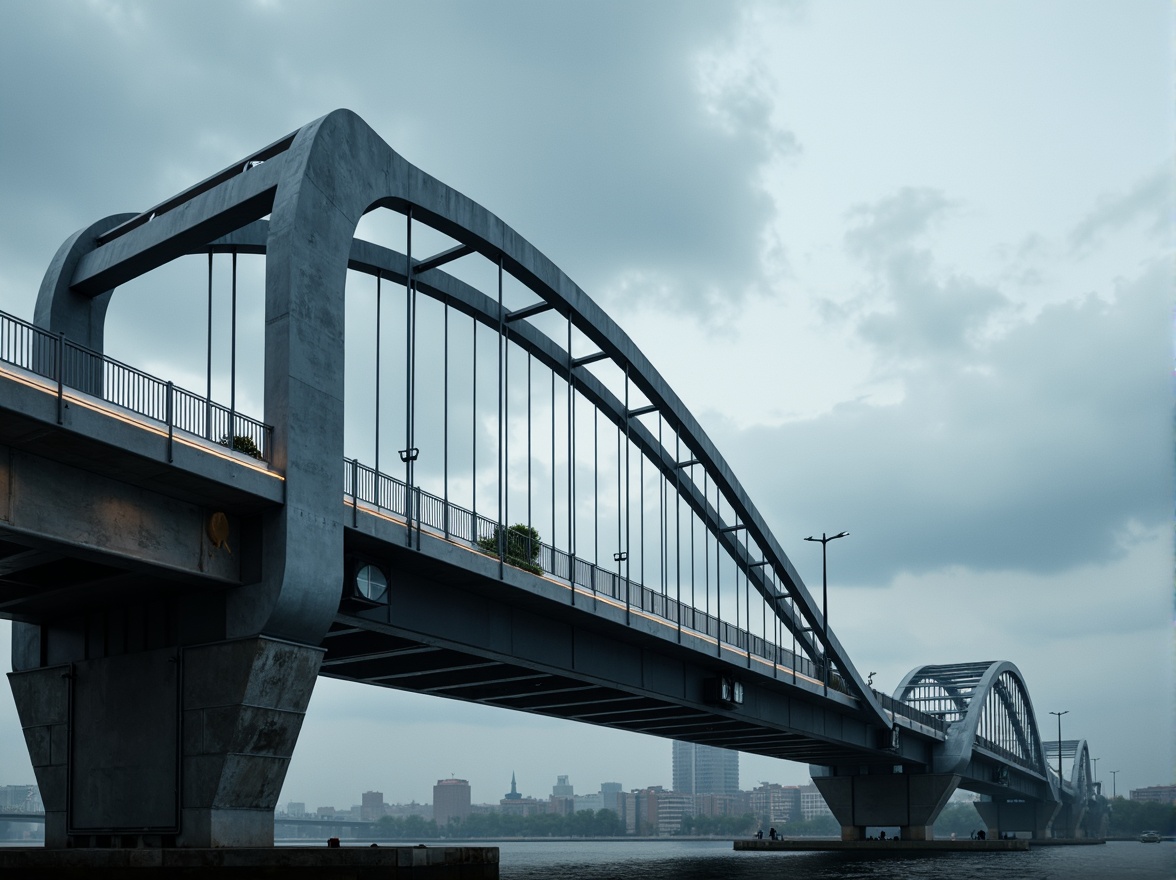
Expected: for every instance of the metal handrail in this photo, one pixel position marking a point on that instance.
(1007, 754)
(82, 369)
(457, 523)
(910, 712)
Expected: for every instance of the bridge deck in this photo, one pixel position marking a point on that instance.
(98, 437)
(452, 628)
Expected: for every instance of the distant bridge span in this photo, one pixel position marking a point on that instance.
(174, 598)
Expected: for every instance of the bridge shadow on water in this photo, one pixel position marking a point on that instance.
(705, 860)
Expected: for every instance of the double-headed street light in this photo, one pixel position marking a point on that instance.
(825, 539)
(1060, 714)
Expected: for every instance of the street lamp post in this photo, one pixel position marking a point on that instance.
(1060, 714)
(1094, 761)
(1114, 784)
(825, 539)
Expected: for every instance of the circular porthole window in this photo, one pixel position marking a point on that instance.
(371, 583)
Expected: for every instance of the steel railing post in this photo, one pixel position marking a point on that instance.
(170, 422)
(60, 368)
(354, 492)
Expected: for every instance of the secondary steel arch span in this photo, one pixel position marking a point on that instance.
(1079, 784)
(315, 185)
(1081, 778)
(986, 706)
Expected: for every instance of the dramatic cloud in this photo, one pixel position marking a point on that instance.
(584, 126)
(909, 265)
(1149, 202)
(908, 310)
(1035, 454)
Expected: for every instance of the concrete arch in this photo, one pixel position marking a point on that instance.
(316, 185)
(373, 259)
(61, 310)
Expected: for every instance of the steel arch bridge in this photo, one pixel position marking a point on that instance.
(380, 178)
(397, 579)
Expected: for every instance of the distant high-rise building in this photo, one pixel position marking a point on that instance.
(451, 800)
(812, 803)
(640, 810)
(705, 769)
(296, 809)
(672, 808)
(562, 787)
(775, 804)
(372, 807)
(587, 802)
(722, 804)
(610, 793)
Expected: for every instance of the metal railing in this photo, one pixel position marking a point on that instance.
(1008, 754)
(453, 522)
(910, 712)
(74, 366)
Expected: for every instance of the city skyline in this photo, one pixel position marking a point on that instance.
(922, 257)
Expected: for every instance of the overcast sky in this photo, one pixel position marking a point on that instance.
(910, 264)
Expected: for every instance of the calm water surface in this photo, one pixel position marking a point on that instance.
(716, 860)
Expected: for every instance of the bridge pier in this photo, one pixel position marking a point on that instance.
(1068, 821)
(173, 746)
(912, 801)
(1011, 816)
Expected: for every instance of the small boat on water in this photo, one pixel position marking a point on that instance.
(1149, 837)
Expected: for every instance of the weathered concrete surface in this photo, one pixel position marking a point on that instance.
(171, 747)
(1002, 816)
(243, 707)
(61, 505)
(902, 845)
(343, 863)
(912, 801)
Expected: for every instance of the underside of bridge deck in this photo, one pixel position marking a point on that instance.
(371, 657)
(454, 625)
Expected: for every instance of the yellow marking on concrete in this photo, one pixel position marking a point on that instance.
(134, 419)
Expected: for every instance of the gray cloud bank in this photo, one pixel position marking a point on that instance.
(580, 124)
(1039, 451)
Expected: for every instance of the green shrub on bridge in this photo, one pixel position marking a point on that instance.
(242, 443)
(522, 547)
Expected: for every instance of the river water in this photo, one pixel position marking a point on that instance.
(717, 860)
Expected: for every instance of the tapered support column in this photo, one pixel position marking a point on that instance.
(1035, 817)
(175, 746)
(910, 801)
(1067, 822)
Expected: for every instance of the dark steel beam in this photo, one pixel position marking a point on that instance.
(589, 359)
(529, 311)
(333, 660)
(446, 256)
